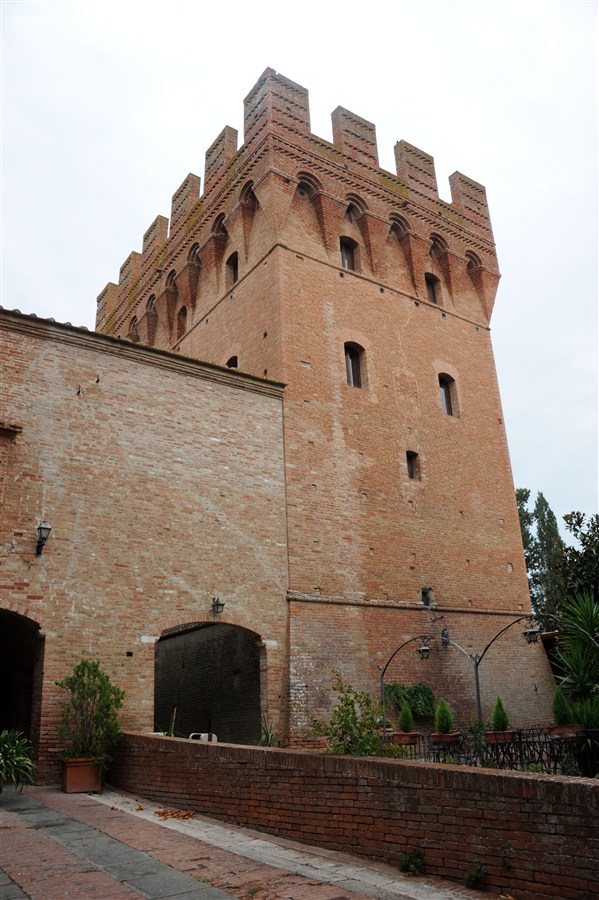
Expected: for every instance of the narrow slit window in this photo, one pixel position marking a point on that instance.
(432, 288)
(232, 269)
(446, 389)
(182, 322)
(348, 249)
(353, 364)
(413, 463)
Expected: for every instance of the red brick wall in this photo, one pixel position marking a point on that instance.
(163, 482)
(536, 835)
(361, 533)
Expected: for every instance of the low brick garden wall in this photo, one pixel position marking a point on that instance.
(536, 835)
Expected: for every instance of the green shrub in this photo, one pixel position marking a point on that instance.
(412, 862)
(500, 719)
(406, 719)
(354, 727)
(476, 874)
(420, 698)
(16, 763)
(90, 723)
(561, 708)
(443, 717)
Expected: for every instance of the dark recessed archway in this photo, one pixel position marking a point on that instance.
(207, 679)
(21, 655)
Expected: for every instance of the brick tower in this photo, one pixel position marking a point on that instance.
(370, 298)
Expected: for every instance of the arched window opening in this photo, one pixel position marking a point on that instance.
(472, 262)
(447, 395)
(247, 196)
(171, 282)
(151, 319)
(181, 322)
(133, 333)
(194, 256)
(232, 270)
(438, 246)
(399, 227)
(354, 365)
(433, 291)
(349, 254)
(219, 226)
(232, 363)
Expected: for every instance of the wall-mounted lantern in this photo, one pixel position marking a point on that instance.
(217, 606)
(43, 530)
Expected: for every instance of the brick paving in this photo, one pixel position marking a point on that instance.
(55, 845)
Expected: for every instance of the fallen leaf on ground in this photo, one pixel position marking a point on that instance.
(175, 813)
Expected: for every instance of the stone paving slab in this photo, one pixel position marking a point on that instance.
(344, 871)
(109, 859)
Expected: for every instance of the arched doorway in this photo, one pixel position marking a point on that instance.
(21, 663)
(207, 678)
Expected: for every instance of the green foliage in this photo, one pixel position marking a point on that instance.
(412, 863)
(90, 719)
(545, 554)
(581, 563)
(577, 650)
(354, 727)
(443, 717)
(420, 698)
(16, 758)
(586, 711)
(561, 708)
(406, 719)
(475, 875)
(500, 719)
(268, 736)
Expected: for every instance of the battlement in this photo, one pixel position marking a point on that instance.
(277, 139)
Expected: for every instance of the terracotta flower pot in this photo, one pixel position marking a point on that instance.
(81, 775)
(563, 732)
(450, 737)
(405, 738)
(500, 737)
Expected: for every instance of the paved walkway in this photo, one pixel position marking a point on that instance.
(56, 846)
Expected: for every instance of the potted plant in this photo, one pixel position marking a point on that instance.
(90, 726)
(501, 733)
(16, 763)
(406, 736)
(443, 725)
(563, 716)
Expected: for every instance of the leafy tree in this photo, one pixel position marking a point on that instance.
(549, 578)
(580, 565)
(544, 554)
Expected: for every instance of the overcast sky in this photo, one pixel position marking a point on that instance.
(107, 106)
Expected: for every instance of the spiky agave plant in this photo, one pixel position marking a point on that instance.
(16, 758)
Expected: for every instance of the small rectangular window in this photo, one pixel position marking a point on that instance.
(431, 289)
(413, 463)
(445, 395)
(352, 366)
(348, 254)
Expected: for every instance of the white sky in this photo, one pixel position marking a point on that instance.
(107, 106)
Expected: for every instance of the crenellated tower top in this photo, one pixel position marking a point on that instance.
(280, 147)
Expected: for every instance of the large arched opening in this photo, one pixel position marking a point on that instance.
(207, 679)
(21, 665)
